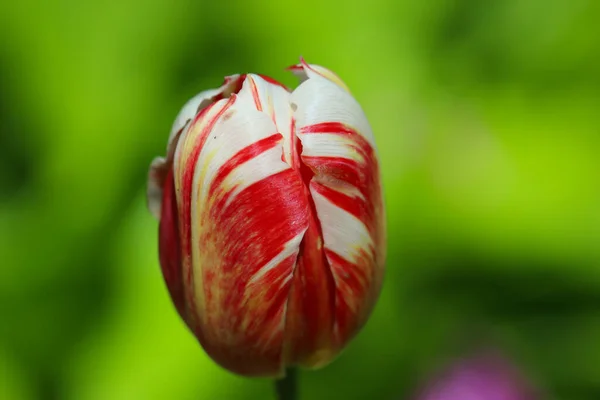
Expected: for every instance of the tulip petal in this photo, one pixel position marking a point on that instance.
(154, 188)
(169, 247)
(306, 71)
(272, 98)
(309, 319)
(243, 214)
(339, 148)
(161, 165)
(200, 101)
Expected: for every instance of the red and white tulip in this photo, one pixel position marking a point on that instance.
(272, 224)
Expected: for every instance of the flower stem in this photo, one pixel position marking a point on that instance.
(286, 387)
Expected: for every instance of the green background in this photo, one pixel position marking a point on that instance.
(487, 116)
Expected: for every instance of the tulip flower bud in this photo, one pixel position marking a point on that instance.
(272, 224)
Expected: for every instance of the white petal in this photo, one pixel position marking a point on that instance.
(241, 126)
(197, 103)
(306, 71)
(160, 165)
(274, 100)
(343, 233)
(243, 215)
(339, 146)
(228, 128)
(319, 100)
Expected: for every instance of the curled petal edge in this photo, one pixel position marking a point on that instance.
(305, 71)
(160, 165)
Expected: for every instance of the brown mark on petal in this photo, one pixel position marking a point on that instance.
(227, 115)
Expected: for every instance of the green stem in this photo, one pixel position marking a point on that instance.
(286, 387)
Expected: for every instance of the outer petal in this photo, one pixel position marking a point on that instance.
(309, 318)
(243, 214)
(338, 146)
(161, 165)
(169, 246)
(306, 71)
(155, 184)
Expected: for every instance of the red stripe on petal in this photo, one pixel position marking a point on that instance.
(353, 275)
(309, 323)
(329, 127)
(203, 112)
(271, 292)
(344, 169)
(295, 67)
(259, 221)
(242, 156)
(361, 145)
(186, 198)
(273, 81)
(351, 204)
(239, 240)
(337, 128)
(255, 94)
(364, 175)
(353, 282)
(305, 170)
(169, 245)
(294, 154)
(189, 169)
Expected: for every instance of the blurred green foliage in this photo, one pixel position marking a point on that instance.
(487, 119)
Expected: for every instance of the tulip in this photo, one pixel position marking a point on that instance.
(272, 224)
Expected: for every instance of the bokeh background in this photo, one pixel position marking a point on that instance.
(488, 125)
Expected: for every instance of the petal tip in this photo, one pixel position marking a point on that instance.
(297, 67)
(154, 188)
(304, 71)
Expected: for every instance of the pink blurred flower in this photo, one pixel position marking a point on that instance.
(485, 376)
